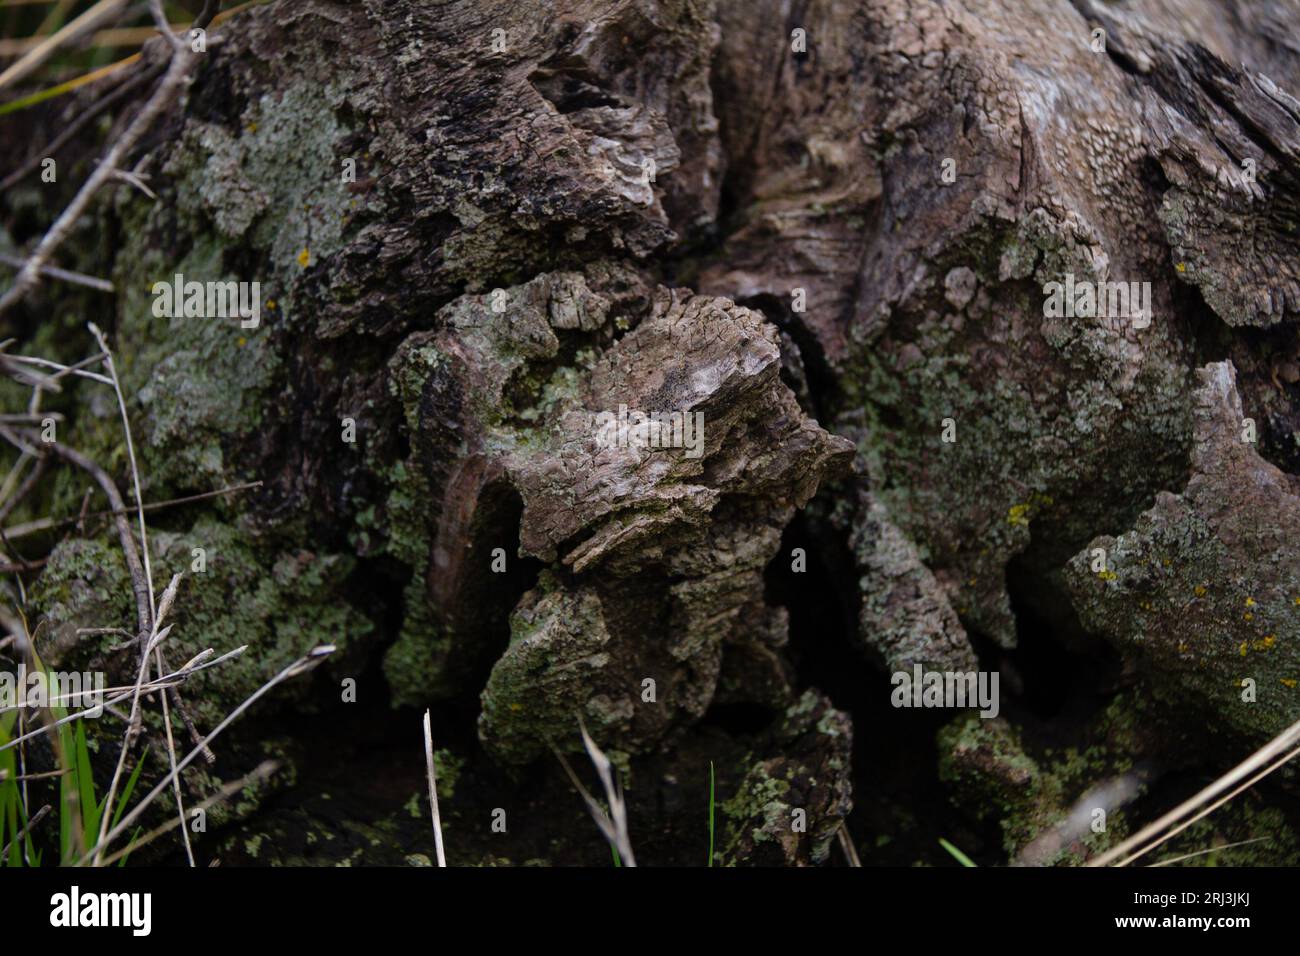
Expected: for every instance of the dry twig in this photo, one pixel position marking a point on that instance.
(301, 666)
(178, 71)
(433, 792)
(1278, 751)
(613, 825)
(100, 13)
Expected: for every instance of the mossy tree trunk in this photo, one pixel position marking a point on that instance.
(827, 232)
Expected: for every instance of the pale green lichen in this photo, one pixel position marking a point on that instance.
(540, 687)
(280, 607)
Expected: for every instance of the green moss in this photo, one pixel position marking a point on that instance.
(988, 771)
(541, 684)
(760, 799)
(280, 606)
(84, 584)
(1057, 432)
(1174, 575)
(1236, 822)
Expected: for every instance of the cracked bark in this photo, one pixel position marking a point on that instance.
(505, 269)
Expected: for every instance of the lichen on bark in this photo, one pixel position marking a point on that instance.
(837, 257)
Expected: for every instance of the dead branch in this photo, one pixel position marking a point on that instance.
(302, 665)
(100, 13)
(178, 71)
(143, 600)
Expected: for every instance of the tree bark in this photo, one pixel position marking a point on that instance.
(828, 228)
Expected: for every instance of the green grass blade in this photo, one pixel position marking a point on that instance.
(40, 96)
(126, 790)
(9, 792)
(67, 790)
(86, 786)
(957, 854)
(710, 813)
(134, 836)
(8, 795)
